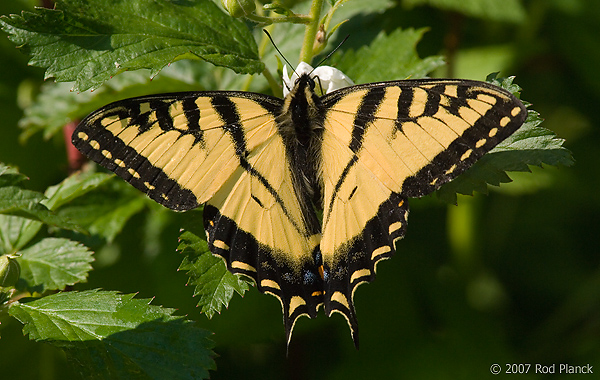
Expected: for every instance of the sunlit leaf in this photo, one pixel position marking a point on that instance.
(214, 284)
(372, 63)
(16, 232)
(90, 41)
(54, 263)
(107, 335)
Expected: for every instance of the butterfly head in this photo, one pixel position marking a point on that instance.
(305, 84)
(329, 79)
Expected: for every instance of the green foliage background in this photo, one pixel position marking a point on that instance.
(511, 277)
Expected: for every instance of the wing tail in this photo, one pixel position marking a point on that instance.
(356, 262)
(295, 282)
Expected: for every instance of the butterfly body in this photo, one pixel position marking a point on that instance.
(300, 123)
(267, 168)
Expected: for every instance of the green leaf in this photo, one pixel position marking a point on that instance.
(22, 212)
(352, 8)
(26, 203)
(90, 41)
(529, 145)
(110, 335)
(111, 222)
(213, 282)
(105, 209)
(497, 10)
(372, 63)
(72, 187)
(16, 232)
(13, 198)
(54, 263)
(10, 176)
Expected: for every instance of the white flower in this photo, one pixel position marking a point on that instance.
(329, 77)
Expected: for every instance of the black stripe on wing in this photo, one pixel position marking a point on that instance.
(101, 146)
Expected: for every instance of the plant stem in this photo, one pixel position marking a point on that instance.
(273, 83)
(306, 54)
(297, 19)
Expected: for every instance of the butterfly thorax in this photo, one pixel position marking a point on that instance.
(304, 111)
(301, 125)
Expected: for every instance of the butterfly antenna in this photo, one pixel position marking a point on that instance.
(281, 54)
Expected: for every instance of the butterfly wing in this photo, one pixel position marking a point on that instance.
(223, 149)
(385, 142)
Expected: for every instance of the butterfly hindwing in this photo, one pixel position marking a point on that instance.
(385, 142)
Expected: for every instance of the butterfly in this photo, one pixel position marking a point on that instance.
(306, 194)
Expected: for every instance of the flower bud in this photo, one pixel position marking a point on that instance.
(320, 40)
(239, 8)
(10, 270)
